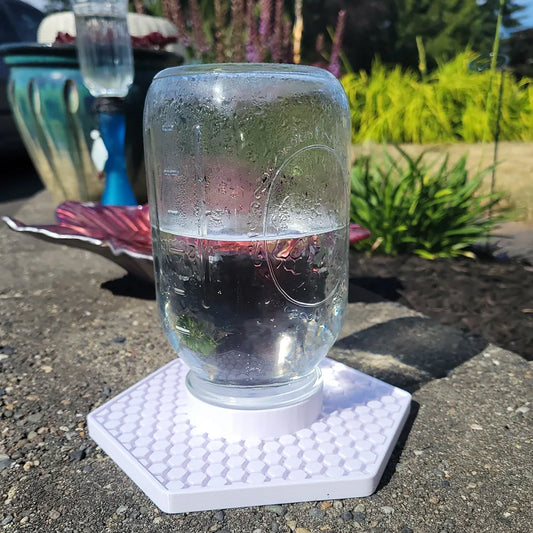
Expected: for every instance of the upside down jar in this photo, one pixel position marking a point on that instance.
(248, 183)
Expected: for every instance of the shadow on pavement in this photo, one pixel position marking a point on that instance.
(390, 469)
(19, 178)
(418, 342)
(386, 288)
(130, 286)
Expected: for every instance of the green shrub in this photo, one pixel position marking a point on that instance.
(411, 207)
(450, 105)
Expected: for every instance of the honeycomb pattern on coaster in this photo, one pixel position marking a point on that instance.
(360, 420)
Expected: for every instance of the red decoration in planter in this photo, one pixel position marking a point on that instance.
(154, 40)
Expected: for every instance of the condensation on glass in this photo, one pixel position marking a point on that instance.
(248, 186)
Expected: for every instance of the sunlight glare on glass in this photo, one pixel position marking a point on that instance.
(482, 62)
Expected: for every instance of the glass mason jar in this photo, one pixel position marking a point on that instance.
(248, 184)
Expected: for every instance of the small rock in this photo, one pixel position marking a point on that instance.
(476, 427)
(220, 516)
(359, 517)
(54, 515)
(88, 450)
(387, 510)
(445, 483)
(87, 469)
(406, 529)
(302, 530)
(8, 350)
(258, 530)
(78, 455)
(276, 509)
(24, 520)
(325, 505)
(46, 369)
(274, 527)
(523, 410)
(27, 466)
(122, 509)
(119, 340)
(7, 520)
(35, 417)
(31, 435)
(347, 515)
(337, 504)
(314, 512)
(291, 524)
(157, 520)
(5, 461)
(360, 508)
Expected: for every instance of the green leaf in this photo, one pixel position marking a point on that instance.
(443, 192)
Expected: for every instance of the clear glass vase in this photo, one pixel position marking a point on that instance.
(104, 47)
(248, 184)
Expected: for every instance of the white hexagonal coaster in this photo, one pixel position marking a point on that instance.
(147, 432)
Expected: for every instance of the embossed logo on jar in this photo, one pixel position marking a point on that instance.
(305, 207)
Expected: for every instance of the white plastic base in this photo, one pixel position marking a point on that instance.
(240, 424)
(146, 430)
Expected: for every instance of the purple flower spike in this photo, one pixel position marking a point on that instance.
(265, 24)
(276, 42)
(288, 52)
(253, 44)
(220, 22)
(173, 12)
(237, 19)
(334, 62)
(200, 42)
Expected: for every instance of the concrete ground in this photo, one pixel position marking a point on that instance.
(515, 239)
(74, 332)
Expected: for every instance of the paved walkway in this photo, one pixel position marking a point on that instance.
(71, 336)
(516, 240)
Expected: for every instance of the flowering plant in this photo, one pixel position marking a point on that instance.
(247, 30)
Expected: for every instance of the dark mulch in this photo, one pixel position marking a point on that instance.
(488, 297)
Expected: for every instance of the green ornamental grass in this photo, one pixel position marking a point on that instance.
(450, 105)
(412, 207)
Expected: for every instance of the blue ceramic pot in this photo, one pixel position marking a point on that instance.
(55, 116)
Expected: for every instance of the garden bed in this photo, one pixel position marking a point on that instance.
(491, 298)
